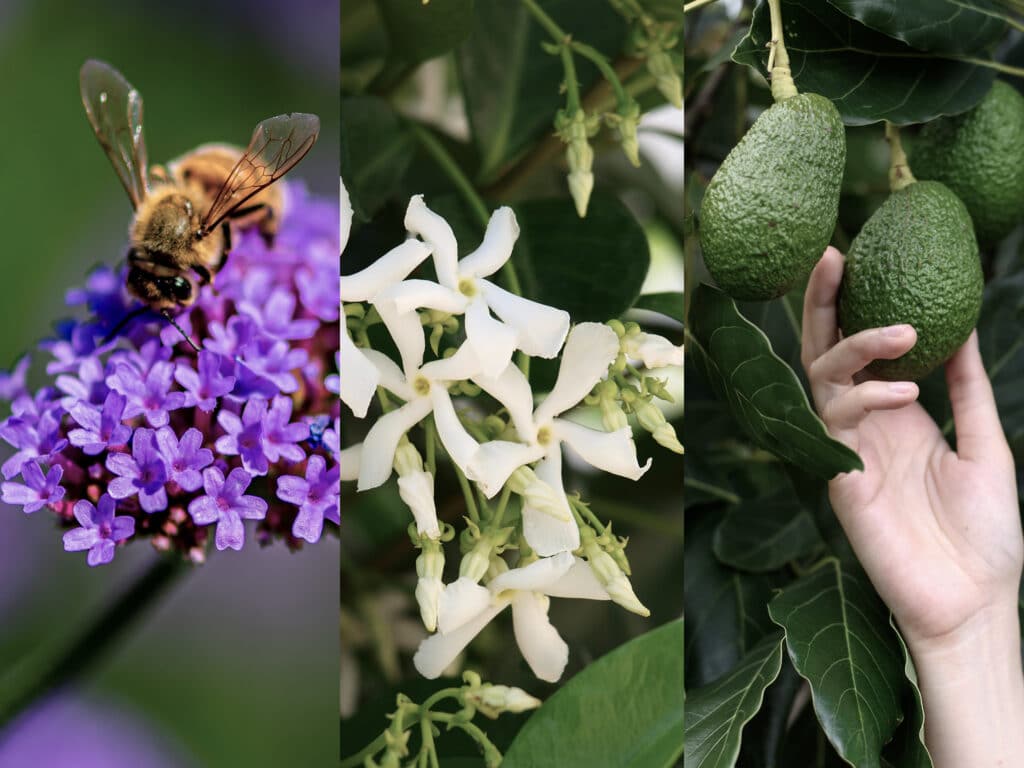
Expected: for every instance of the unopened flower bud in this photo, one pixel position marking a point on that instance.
(653, 420)
(574, 130)
(610, 575)
(613, 418)
(659, 64)
(624, 123)
(493, 700)
(538, 494)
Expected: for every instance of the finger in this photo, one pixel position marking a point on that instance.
(845, 412)
(820, 330)
(979, 434)
(839, 364)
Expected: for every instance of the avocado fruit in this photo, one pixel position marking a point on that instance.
(915, 261)
(980, 156)
(770, 209)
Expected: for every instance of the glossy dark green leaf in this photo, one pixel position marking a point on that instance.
(763, 393)
(763, 736)
(375, 151)
(939, 26)
(669, 304)
(593, 268)
(624, 709)
(511, 85)
(716, 713)
(762, 535)
(908, 749)
(1002, 348)
(421, 31)
(840, 641)
(869, 76)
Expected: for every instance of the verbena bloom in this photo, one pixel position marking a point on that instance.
(100, 530)
(226, 504)
(316, 495)
(140, 416)
(37, 491)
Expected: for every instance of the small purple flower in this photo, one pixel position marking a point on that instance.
(321, 296)
(245, 436)
(38, 491)
(35, 435)
(276, 361)
(101, 428)
(184, 459)
(148, 395)
(232, 339)
(203, 388)
(143, 473)
(100, 530)
(90, 385)
(316, 496)
(12, 384)
(275, 317)
(332, 439)
(226, 505)
(333, 382)
(280, 437)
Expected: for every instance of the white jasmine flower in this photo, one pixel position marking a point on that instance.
(359, 378)
(526, 325)
(652, 350)
(589, 350)
(349, 461)
(527, 590)
(416, 488)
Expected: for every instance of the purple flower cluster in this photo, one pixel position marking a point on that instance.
(140, 436)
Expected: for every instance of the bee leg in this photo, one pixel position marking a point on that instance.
(205, 278)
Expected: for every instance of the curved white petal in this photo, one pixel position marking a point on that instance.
(496, 248)
(495, 461)
(492, 340)
(359, 377)
(393, 266)
(407, 332)
(545, 533)
(538, 576)
(578, 582)
(350, 460)
(417, 491)
(428, 593)
(422, 221)
(464, 364)
(410, 295)
(613, 452)
(381, 442)
(456, 440)
(542, 647)
(389, 375)
(512, 389)
(345, 220)
(438, 651)
(460, 602)
(589, 350)
(540, 329)
(652, 350)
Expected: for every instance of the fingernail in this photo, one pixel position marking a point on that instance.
(895, 330)
(901, 387)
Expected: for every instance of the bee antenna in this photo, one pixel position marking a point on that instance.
(184, 335)
(123, 322)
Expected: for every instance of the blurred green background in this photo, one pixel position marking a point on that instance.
(238, 664)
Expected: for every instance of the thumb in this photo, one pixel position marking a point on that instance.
(979, 434)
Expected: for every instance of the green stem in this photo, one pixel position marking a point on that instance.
(899, 172)
(506, 493)
(29, 682)
(783, 86)
(431, 440)
(550, 25)
(467, 494)
(606, 69)
(693, 5)
(572, 85)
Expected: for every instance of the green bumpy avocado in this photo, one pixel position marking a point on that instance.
(980, 156)
(915, 261)
(769, 211)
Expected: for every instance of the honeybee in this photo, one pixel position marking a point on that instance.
(184, 214)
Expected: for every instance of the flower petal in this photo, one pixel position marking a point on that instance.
(204, 510)
(456, 440)
(308, 525)
(460, 602)
(494, 461)
(359, 377)
(589, 350)
(491, 340)
(417, 491)
(422, 221)
(101, 553)
(438, 651)
(540, 329)
(389, 269)
(410, 295)
(80, 539)
(350, 460)
(512, 389)
(542, 647)
(613, 452)
(230, 531)
(407, 332)
(545, 533)
(386, 374)
(535, 577)
(464, 364)
(578, 582)
(378, 454)
(652, 350)
(496, 247)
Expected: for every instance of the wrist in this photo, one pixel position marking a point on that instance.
(993, 633)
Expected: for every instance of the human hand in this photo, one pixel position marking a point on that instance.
(938, 532)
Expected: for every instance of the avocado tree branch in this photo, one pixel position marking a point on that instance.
(899, 171)
(779, 72)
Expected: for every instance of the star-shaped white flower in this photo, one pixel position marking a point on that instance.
(527, 590)
(589, 350)
(536, 329)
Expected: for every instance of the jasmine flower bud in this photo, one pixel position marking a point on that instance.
(610, 575)
(430, 570)
(653, 420)
(538, 494)
(574, 130)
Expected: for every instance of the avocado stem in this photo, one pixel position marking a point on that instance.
(779, 72)
(899, 171)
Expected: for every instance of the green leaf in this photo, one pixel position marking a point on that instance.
(908, 749)
(421, 31)
(716, 713)
(763, 393)
(593, 268)
(669, 304)
(375, 151)
(764, 734)
(839, 639)
(511, 85)
(764, 534)
(624, 709)
(939, 26)
(869, 76)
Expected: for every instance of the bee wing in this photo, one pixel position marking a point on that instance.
(277, 145)
(114, 109)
